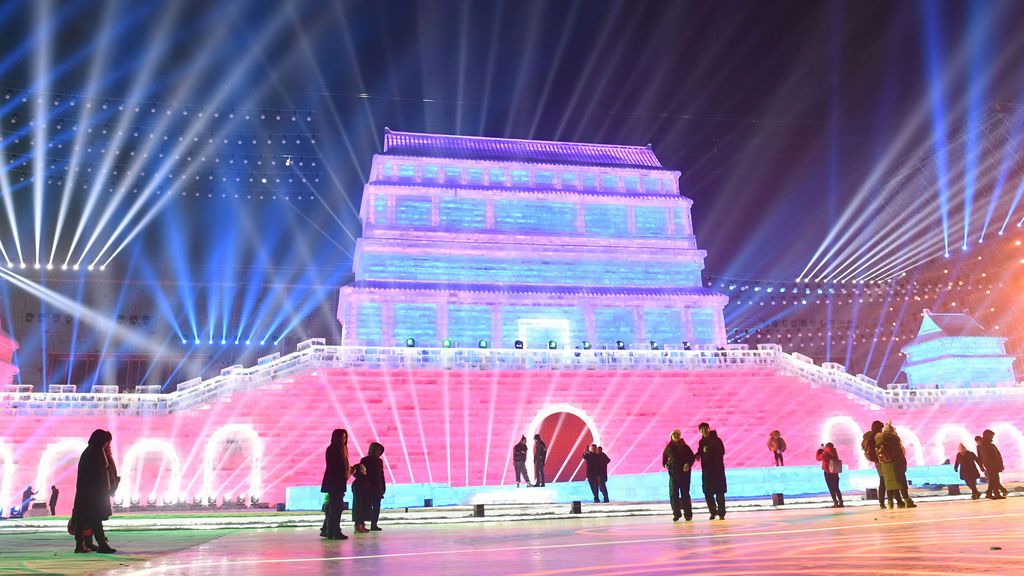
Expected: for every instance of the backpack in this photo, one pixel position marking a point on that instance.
(835, 466)
(781, 445)
(868, 446)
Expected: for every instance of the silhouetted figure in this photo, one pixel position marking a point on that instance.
(97, 482)
(335, 482)
(54, 493)
(594, 472)
(602, 460)
(992, 460)
(967, 464)
(27, 497)
(871, 453)
(776, 445)
(677, 459)
(519, 461)
(711, 453)
(540, 456)
(831, 465)
(893, 462)
(368, 489)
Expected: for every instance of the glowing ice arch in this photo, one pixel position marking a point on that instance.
(557, 409)
(131, 459)
(851, 426)
(52, 454)
(910, 439)
(1007, 429)
(247, 432)
(7, 480)
(961, 434)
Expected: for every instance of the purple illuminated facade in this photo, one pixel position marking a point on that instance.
(473, 239)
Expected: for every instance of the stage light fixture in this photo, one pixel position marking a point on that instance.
(620, 345)
(197, 500)
(518, 344)
(446, 343)
(482, 344)
(410, 342)
(211, 500)
(151, 500)
(240, 500)
(134, 501)
(686, 345)
(587, 345)
(552, 345)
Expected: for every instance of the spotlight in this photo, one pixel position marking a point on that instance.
(410, 342)
(223, 341)
(482, 344)
(240, 500)
(552, 345)
(49, 266)
(254, 499)
(36, 266)
(248, 342)
(654, 345)
(197, 341)
(686, 345)
(151, 500)
(75, 267)
(90, 267)
(23, 265)
(211, 500)
(183, 341)
(519, 344)
(446, 343)
(63, 266)
(134, 501)
(197, 500)
(586, 345)
(620, 345)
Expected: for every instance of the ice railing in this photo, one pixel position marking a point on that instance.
(314, 354)
(833, 375)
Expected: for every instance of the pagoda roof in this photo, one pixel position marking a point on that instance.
(936, 326)
(517, 150)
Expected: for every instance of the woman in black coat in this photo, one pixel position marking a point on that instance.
(368, 488)
(335, 482)
(97, 482)
(967, 463)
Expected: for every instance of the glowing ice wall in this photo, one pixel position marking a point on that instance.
(492, 239)
(7, 368)
(953, 351)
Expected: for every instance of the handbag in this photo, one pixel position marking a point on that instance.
(835, 466)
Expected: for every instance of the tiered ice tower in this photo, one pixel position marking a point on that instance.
(472, 239)
(954, 351)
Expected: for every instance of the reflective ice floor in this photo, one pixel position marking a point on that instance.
(941, 538)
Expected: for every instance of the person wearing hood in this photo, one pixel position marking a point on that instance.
(97, 481)
(777, 445)
(677, 459)
(871, 454)
(519, 461)
(992, 460)
(967, 464)
(368, 489)
(893, 464)
(540, 456)
(335, 482)
(711, 453)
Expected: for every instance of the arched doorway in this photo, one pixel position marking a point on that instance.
(567, 436)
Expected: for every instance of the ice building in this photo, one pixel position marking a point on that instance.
(954, 351)
(488, 239)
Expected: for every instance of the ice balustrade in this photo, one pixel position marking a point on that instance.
(313, 355)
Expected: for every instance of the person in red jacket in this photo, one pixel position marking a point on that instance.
(831, 465)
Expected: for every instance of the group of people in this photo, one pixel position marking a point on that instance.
(28, 496)
(678, 459)
(990, 462)
(594, 457)
(368, 487)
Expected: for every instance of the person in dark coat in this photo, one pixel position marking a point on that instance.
(368, 489)
(54, 493)
(602, 460)
(540, 456)
(97, 482)
(827, 454)
(967, 464)
(992, 460)
(335, 482)
(711, 453)
(27, 497)
(519, 461)
(592, 471)
(867, 444)
(677, 458)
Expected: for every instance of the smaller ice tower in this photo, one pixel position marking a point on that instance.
(954, 351)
